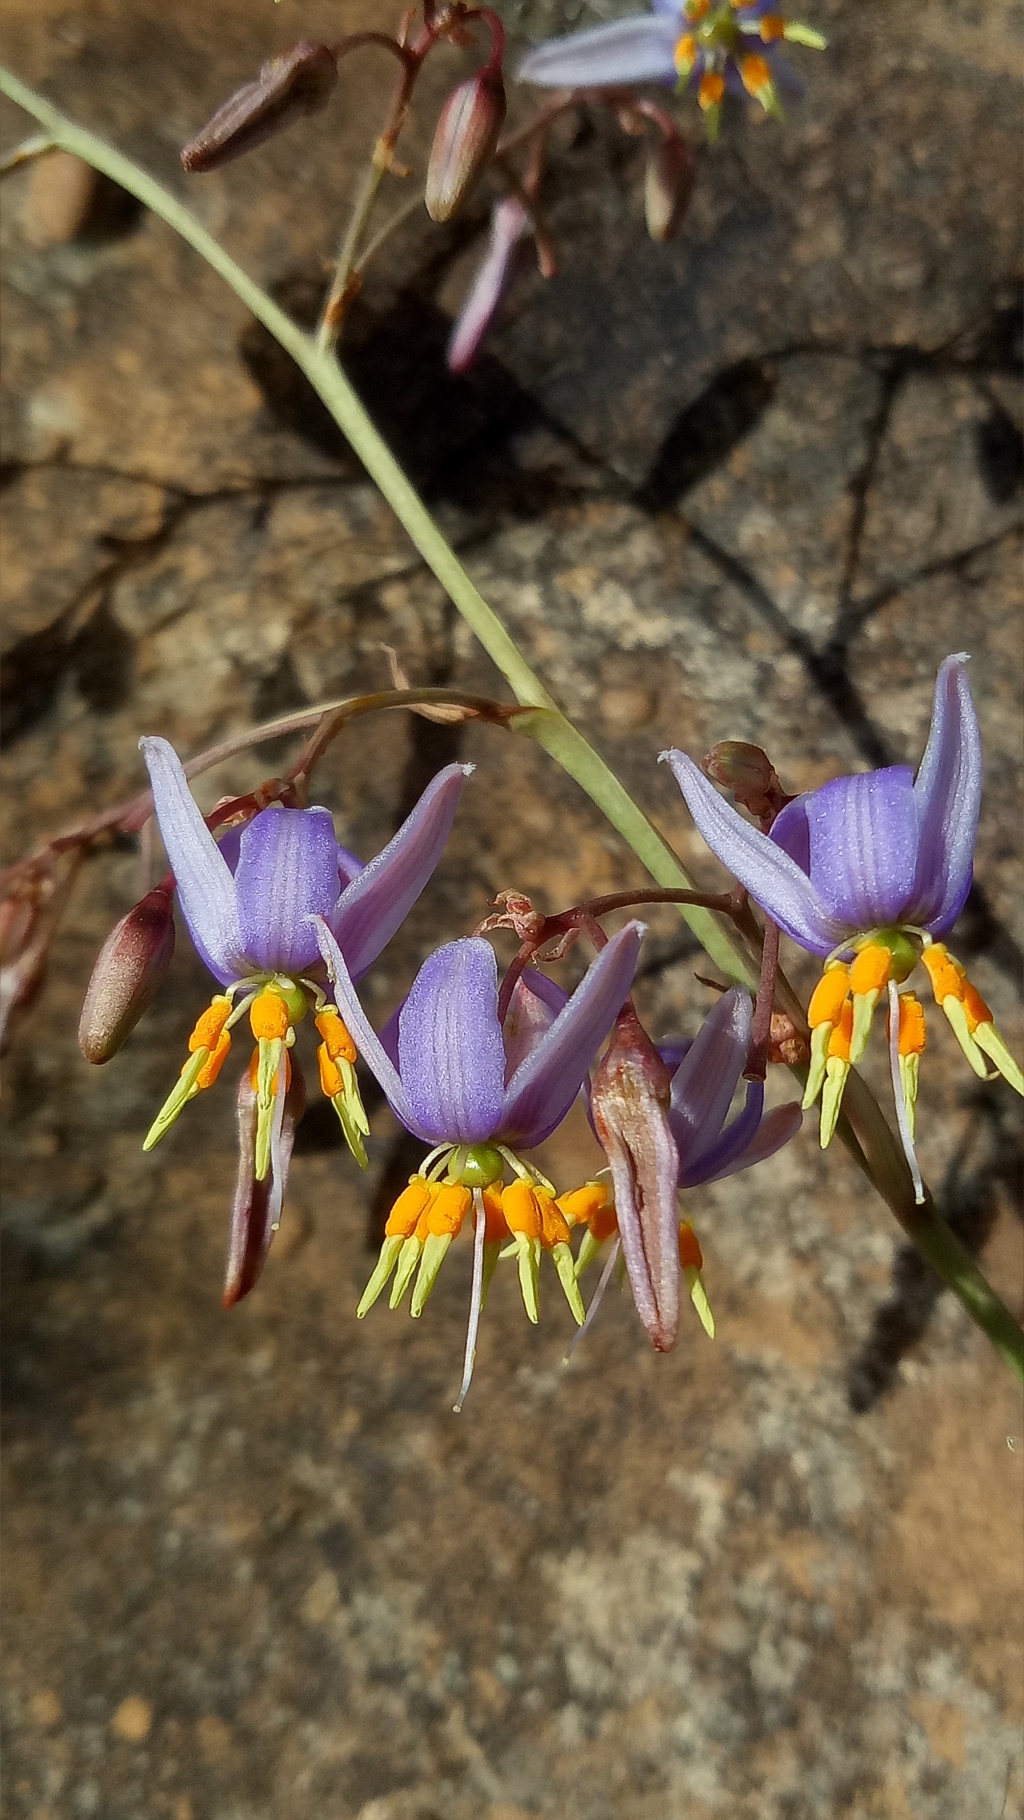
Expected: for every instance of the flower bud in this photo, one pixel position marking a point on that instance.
(749, 774)
(130, 966)
(299, 81)
(465, 136)
(668, 186)
(629, 1106)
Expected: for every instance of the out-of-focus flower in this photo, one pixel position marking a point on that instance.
(248, 904)
(707, 46)
(664, 1125)
(867, 871)
(479, 1092)
(510, 225)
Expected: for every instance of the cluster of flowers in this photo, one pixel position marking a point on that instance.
(705, 48)
(866, 872)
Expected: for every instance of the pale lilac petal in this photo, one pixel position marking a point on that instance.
(534, 1006)
(546, 1083)
(450, 1053)
(510, 222)
(775, 1129)
(363, 1034)
(789, 831)
(706, 1079)
(379, 899)
(716, 1147)
(948, 794)
(203, 882)
(287, 872)
(773, 879)
(863, 842)
(607, 56)
(349, 866)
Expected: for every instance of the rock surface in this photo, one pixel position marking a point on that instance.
(752, 485)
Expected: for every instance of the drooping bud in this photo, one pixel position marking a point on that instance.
(510, 223)
(668, 185)
(256, 1212)
(466, 135)
(750, 775)
(300, 81)
(130, 966)
(629, 1106)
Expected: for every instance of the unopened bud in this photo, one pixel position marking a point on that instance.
(299, 81)
(629, 1105)
(668, 185)
(465, 136)
(749, 774)
(130, 966)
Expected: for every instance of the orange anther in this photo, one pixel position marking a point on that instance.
(337, 1042)
(685, 54)
(695, 10)
(690, 1255)
(711, 90)
(448, 1208)
(495, 1228)
(215, 1060)
(755, 74)
(268, 1017)
(604, 1223)
(519, 1206)
(207, 1032)
(829, 996)
(331, 1083)
(975, 1007)
(839, 1041)
(946, 974)
(912, 1026)
(580, 1205)
(554, 1229)
(414, 1200)
(772, 27)
(871, 969)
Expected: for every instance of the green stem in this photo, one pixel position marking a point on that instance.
(544, 720)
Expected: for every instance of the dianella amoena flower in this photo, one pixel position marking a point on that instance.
(709, 47)
(868, 871)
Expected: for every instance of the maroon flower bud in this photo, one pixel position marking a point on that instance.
(130, 966)
(668, 185)
(465, 136)
(299, 81)
(256, 1211)
(749, 774)
(629, 1106)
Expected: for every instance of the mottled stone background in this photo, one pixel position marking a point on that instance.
(755, 484)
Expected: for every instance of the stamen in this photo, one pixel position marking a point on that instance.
(691, 1262)
(755, 74)
(209, 1045)
(711, 90)
(869, 974)
(685, 55)
(837, 1067)
(902, 1118)
(598, 1297)
(912, 1035)
(771, 28)
(828, 1000)
(522, 1217)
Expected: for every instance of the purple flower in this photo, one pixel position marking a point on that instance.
(248, 902)
(510, 224)
(478, 1091)
(663, 1121)
(708, 46)
(866, 872)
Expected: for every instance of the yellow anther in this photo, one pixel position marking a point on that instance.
(554, 1228)
(337, 1041)
(259, 1072)
(975, 1007)
(711, 90)
(685, 54)
(413, 1200)
(691, 1262)
(696, 10)
(771, 28)
(448, 1208)
(214, 1062)
(495, 1228)
(521, 1212)
(946, 975)
(565, 1265)
(912, 1031)
(408, 1259)
(870, 969)
(209, 1027)
(837, 1067)
(841, 1036)
(755, 75)
(580, 1205)
(269, 1018)
(829, 995)
(820, 1037)
(331, 1083)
